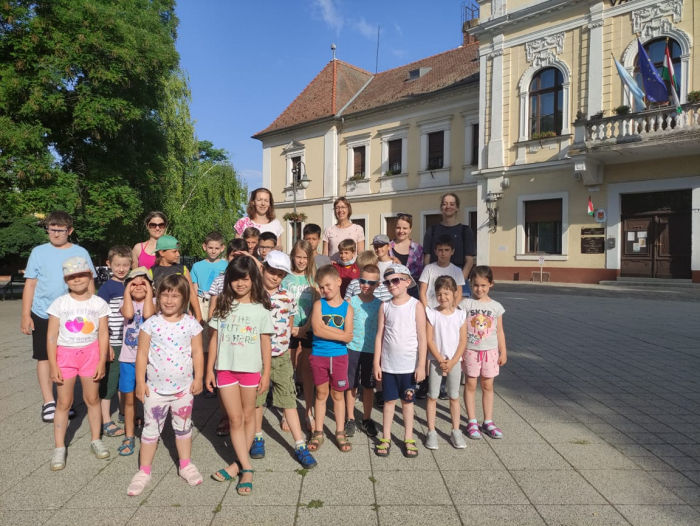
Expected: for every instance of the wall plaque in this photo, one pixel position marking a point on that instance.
(592, 245)
(592, 231)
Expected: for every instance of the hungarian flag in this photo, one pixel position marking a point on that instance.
(590, 207)
(669, 75)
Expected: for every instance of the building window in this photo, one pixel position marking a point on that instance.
(543, 226)
(395, 156)
(436, 150)
(546, 102)
(656, 49)
(296, 168)
(358, 153)
(475, 144)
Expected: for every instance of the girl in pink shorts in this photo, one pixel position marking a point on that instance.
(77, 344)
(239, 361)
(486, 351)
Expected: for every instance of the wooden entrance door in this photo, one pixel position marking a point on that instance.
(637, 255)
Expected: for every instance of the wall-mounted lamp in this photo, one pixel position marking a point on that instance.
(492, 209)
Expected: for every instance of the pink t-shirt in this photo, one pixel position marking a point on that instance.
(273, 226)
(334, 235)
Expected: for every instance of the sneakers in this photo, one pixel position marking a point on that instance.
(457, 439)
(99, 449)
(305, 458)
(443, 393)
(47, 411)
(58, 459)
(350, 428)
(138, 484)
(431, 440)
(379, 398)
(422, 391)
(368, 427)
(191, 475)
(120, 418)
(257, 450)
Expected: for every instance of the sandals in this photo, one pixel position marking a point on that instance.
(383, 448)
(473, 431)
(409, 449)
(127, 447)
(245, 485)
(110, 429)
(316, 441)
(223, 429)
(344, 444)
(490, 430)
(224, 476)
(47, 412)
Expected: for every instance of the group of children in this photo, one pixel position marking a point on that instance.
(266, 320)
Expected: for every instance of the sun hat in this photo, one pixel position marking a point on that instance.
(138, 272)
(167, 243)
(396, 268)
(75, 265)
(381, 239)
(279, 260)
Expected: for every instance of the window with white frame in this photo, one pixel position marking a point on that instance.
(394, 150)
(542, 226)
(544, 101)
(294, 157)
(358, 157)
(435, 144)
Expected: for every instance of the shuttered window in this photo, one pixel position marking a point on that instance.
(436, 150)
(543, 226)
(359, 161)
(395, 156)
(475, 144)
(296, 168)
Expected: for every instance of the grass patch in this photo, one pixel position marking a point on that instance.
(143, 502)
(302, 471)
(268, 470)
(580, 442)
(315, 504)
(175, 505)
(218, 508)
(373, 480)
(375, 507)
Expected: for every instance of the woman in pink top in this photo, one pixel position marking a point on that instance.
(261, 215)
(144, 254)
(343, 229)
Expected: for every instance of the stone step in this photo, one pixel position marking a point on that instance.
(651, 282)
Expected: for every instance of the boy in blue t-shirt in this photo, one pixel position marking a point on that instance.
(112, 291)
(45, 283)
(205, 272)
(365, 310)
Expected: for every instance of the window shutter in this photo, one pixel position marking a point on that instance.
(395, 156)
(543, 211)
(359, 160)
(436, 145)
(475, 144)
(296, 168)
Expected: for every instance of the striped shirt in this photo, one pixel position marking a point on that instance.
(112, 292)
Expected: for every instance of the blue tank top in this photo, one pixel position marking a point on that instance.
(333, 317)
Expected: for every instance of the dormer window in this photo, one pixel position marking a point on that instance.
(415, 74)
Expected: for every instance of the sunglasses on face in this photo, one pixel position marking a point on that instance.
(156, 225)
(393, 281)
(337, 320)
(370, 282)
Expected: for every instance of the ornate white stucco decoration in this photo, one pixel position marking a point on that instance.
(543, 51)
(651, 21)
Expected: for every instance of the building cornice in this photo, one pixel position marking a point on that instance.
(497, 25)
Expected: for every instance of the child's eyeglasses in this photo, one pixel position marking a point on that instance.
(156, 225)
(394, 281)
(370, 282)
(337, 320)
(57, 230)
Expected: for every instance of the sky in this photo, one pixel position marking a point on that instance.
(247, 60)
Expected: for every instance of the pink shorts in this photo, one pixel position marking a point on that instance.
(330, 370)
(228, 378)
(78, 361)
(481, 363)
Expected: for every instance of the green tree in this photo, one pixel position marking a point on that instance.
(82, 85)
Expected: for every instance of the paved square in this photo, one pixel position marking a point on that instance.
(599, 405)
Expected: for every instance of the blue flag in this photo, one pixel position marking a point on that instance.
(653, 85)
(635, 91)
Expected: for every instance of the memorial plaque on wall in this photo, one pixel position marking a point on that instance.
(592, 245)
(592, 231)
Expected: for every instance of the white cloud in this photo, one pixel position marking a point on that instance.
(329, 13)
(398, 29)
(366, 29)
(253, 178)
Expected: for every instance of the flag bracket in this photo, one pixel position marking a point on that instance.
(589, 172)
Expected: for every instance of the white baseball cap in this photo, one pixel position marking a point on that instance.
(397, 268)
(279, 260)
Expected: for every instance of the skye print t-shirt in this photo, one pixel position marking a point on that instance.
(482, 323)
(79, 321)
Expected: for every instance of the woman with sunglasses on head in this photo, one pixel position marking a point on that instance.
(403, 248)
(343, 229)
(144, 254)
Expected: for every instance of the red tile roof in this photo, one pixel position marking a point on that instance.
(325, 98)
(322, 97)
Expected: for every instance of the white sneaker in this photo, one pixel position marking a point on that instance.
(457, 439)
(191, 474)
(138, 484)
(99, 449)
(58, 459)
(431, 440)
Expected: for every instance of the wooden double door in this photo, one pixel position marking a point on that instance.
(656, 243)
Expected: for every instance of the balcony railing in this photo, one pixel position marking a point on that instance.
(635, 127)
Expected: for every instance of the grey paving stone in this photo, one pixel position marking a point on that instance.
(258, 515)
(50, 491)
(673, 479)
(25, 517)
(557, 487)
(391, 488)
(594, 456)
(405, 515)
(528, 456)
(689, 494)
(338, 488)
(623, 487)
(483, 488)
(655, 515)
(109, 491)
(566, 433)
(172, 490)
(581, 515)
(651, 463)
(185, 515)
(498, 515)
(477, 456)
(330, 514)
(71, 517)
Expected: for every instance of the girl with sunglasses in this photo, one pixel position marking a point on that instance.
(144, 254)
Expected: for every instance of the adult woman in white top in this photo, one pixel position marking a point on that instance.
(261, 215)
(343, 229)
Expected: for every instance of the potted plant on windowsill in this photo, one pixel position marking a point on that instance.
(694, 97)
(622, 110)
(598, 115)
(538, 136)
(295, 217)
(390, 173)
(357, 177)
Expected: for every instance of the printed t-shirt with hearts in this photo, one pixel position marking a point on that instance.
(169, 369)
(79, 321)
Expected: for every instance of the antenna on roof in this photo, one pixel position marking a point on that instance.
(376, 62)
(333, 50)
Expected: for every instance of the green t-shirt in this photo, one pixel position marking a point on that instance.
(303, 293)
(238, 337)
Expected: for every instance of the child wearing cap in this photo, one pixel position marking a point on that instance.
(275, 268)
(44, 284)
(77, 343)
(137, 306)
(167, 264)
(399, 355)
(346, 266)
(381, 247)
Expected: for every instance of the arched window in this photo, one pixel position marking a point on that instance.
(546, 102)
(656, 49)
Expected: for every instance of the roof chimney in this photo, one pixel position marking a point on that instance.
(469, 39)
(470, 19)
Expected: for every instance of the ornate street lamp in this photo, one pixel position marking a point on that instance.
(303, 183)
